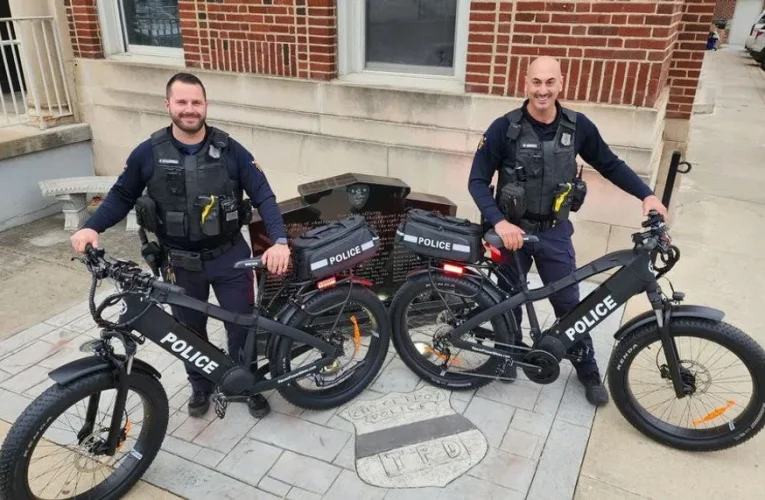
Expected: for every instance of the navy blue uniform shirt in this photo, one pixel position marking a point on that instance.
(140, 167)
(588, 143)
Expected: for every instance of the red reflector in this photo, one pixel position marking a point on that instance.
(451, 268)
(326, 283)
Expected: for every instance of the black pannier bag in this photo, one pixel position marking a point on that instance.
(432, 234)
(329, 249)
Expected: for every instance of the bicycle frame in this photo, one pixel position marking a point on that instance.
(635, 276)
(205, 358)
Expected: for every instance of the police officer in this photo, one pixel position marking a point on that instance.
(195, 175)
(534, 149)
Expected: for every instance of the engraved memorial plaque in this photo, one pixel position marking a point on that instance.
(383, 201)
(409, 440)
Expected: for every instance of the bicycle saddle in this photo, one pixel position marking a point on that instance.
(493, 239)
(254, 263)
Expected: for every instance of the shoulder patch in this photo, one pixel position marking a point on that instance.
(481, 142)
(256, 164)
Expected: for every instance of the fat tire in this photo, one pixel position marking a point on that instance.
(750, 422)
(37, 417)
(311, 400)
(402, 342)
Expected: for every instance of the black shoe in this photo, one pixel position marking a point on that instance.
(595, 392)
(199, 403)
(258, 406)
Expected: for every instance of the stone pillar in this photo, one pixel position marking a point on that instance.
(46, 95)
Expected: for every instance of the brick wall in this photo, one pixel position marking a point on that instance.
(295, 38)
(688, 57)
(724, 9)
(615, 52)
(84, 30)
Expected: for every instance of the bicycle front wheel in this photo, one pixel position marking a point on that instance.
(722, 366)
(353, 318)
(52, 452)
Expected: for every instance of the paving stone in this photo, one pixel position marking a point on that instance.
(191, 480)
(223, 434)
(177, 418)
(522, 444)
(37, 390)
(12, 405)
(180, 447)
(27, 357)
(551, 394)
(520, 394)
(347, 456)
(25, 380)
(67, 352)
(320, 417)
(274, 486)
(209, 458)
(461, 488)
(305, 472)
(24, 337)
(491, 418)
(560, 462)
(298, 494)
(533, 423)
(574, 407)
(70, 315)
(60, 335)
(396, 378)
(281, 405)
(505, 469)
(300, 436)
(348, 485)
(250, 460)
(191, 428)
(459, 405)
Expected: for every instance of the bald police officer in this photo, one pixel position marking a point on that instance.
(534, 149)
(195, 175)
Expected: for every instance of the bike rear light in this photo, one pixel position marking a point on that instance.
(451, 268)
(326, 283)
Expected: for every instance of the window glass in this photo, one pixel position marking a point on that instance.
(152, 22)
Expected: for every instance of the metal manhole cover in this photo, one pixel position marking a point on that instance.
(416, 439)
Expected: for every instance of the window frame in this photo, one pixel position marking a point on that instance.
(113, 29)
(351, 38)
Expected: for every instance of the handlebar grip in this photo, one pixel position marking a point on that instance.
(493, 239)
(168, 287)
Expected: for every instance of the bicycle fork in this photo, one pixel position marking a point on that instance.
(663, 311)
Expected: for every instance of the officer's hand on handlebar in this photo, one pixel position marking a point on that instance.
(277, 259)
(512, 235)
(81, 238)
(652, 202)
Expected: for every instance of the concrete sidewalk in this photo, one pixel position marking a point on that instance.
(719, 230)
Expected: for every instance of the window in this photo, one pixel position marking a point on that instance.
(418, 43)
(148, 27)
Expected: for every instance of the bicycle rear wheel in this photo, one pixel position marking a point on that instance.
(363, 330)
(725, 369)
(53, 426)
(424, 309)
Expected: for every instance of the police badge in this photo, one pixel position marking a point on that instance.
(565, 139)
(358, 195)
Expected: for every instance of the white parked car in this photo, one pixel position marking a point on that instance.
(757, 49)
(756, 27)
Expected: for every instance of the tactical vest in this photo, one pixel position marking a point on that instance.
(195, 198)
(538, 166)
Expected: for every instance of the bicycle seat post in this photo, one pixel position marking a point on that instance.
(533, 321)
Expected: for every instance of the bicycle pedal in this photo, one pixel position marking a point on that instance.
(220, 404)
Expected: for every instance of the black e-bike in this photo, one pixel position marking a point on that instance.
(87, 453)
(668, 373)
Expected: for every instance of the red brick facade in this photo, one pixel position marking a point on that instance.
(84, 30)
(295, 38)
(612, 51)
(724, 9)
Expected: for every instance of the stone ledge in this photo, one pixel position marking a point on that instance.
(26, 140)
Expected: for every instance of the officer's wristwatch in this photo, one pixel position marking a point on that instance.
(281, 241)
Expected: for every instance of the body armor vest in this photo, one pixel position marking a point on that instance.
(196, 200)
(536, 167)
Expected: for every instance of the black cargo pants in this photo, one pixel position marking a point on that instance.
(234, 291)
(555, 259)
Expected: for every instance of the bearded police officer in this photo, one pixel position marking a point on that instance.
(194, 175)
(534, 149)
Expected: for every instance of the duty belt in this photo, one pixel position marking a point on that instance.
(192, 260)
(532, 223)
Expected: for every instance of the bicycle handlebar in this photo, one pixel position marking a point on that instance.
(126, 273)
